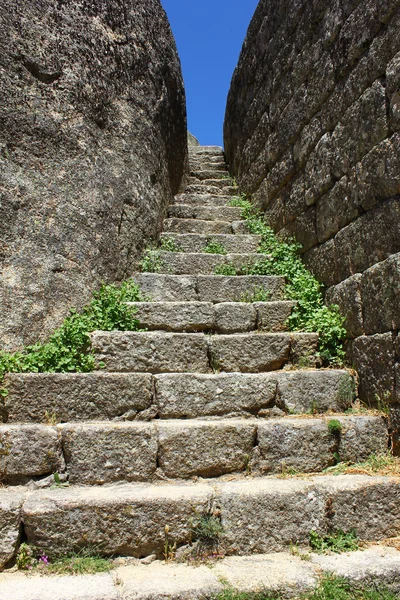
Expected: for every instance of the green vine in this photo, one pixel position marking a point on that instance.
(283, 259)
(68, 349)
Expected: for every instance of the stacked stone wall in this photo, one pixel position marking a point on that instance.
(312, 133)
(93, 146)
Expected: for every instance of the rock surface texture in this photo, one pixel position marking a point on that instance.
(312, 133)
(204, 418)
(92, 149)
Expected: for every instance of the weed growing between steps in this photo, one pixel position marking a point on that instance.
(310, 313)
(85, 562)
(337, 542)
(168, 244)
(215, 248)
(376, 464)
(329, 588)
(68, 349)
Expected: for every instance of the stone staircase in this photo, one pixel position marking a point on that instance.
(207, 412)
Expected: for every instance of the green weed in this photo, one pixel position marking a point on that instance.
(337, 542)
(68, 349)
(259, 294)
(207, 529)
(85, 562)
(334, 427)
(225, 270)
(168, 244)
(151, 261)
(214, 248)
(280, 256)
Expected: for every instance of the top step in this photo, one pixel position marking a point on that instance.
(205, 150)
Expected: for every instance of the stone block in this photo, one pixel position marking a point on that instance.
(364, 568)
(204, 448)
(234, 317)
(382, 281)
(196, 226)
(269, 514)
(278, 573)
(127, 519)
(60, 587)
(204, 199)
(249, 353)
(189, 396)
(29, 451)
(205, 213)
(322, 262)
(362, 436)
(159, 581)
(11, 501)
(232, 289)
(167, 288)
(335, 209)
(179, 263)
(315, 391)
(302, 444)
(192, 242)
(373, 358)
(266, 515)
(347, 295)
(203, 173)
(303, 349)
(98, 453)
(76, 396)
(151, 352)
(370, 239)
(272, 316)
(175, 316)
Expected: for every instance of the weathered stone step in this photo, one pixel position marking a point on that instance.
(205, 213)
(208, 288)
(280, 574)
(192, 242)
(185, 263)
(102, 452)
(257, 515)
(211, 174)
(211, 189)
(205, 151)
(214, 182)
(153, 352)
(71, 397)
(204, 227)
(202, 199)
(196, 226)
(208, 165)
(226, 317)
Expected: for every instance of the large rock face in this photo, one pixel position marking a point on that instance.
(312, 132)
(92, 148)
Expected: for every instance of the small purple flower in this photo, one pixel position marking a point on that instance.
(44, 559)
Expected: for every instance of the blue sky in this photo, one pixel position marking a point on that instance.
(209, 35)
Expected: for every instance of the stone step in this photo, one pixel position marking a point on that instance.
(208, 165)
(257, 515)
(205, 151)
(279, 575)
(192, 242)
(208, 288)
(202, 200)
(212, 182)
(176, 225)
(102, 452)
(205, 213)
(153, 352)
(70, 397)
(211, 189)
(226, 317)
(185, 263)
(202, 174)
